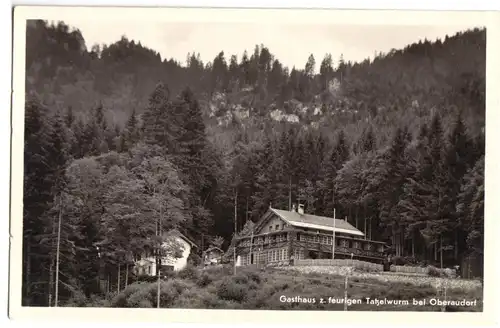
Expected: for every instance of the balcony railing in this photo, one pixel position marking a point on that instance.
(317, 241)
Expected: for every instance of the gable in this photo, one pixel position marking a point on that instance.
(269, 223)
(178, 236)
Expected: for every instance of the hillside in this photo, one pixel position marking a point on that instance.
(216, 288)
(115, 135)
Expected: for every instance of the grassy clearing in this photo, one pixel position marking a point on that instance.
(436, 282)
(218, 288)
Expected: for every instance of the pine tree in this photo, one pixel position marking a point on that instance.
(131, 134)
(369, 141)
(396, 172)
(470, 207)
(162, 121)
(70, 117)
(192, 144)
(328, 173)
(457, 163)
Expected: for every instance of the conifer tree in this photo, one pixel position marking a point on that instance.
(162, 121)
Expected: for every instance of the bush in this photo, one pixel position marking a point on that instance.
(194, 259)
(189, 273)
(436, 272)
(204, 280)
(404, 260)
(96, 301)
(254, 276)
(198, 299)
(146, 278)
(140, 295)
(78, 299)
(229, 289)
(121, 299)
(173, 289)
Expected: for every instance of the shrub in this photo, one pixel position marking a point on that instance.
(145, 304)
(254, 276)
(146, 278)
(229, 289)
(194, 259)
(204, 280)
(78, 299)
(197, 299)
(171, 290)
(96, 301)
(241, 278)
(435, 272)
(121, 299)
(142, 295)
(189, 273)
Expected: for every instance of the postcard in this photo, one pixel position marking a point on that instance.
(209, 165)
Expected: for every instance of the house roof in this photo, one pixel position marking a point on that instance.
(179, 234)
(214, 248)
(316, 222)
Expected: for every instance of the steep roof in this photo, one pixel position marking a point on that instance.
(316, 222)
(213, 248)
(176, 232)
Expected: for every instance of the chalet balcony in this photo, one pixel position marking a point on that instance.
(308, 245)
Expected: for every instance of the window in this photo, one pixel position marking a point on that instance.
(356, 244)
(298, 254)
(344, 243)
(283, 254)
(329, 240)
(269, 256)
(277, 227)
(270, 228)
(316, 239)
(368, 247)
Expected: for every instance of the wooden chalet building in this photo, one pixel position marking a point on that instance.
(281, 236)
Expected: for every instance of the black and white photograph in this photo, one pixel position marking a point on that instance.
(250, 165)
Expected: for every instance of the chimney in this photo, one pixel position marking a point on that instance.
(301, 208)
(294, 208)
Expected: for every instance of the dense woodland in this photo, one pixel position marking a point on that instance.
(121, 144)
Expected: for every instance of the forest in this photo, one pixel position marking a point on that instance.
(121, 143)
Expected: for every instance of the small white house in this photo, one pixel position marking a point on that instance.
(169, 262)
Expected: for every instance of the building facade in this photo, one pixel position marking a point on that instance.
(280, 237)
(213, 255)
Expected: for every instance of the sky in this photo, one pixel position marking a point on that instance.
(290, 43)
